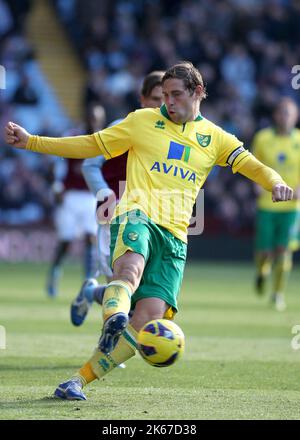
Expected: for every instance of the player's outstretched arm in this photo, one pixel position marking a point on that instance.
(73, 147)
(267, 178)
(15, 135)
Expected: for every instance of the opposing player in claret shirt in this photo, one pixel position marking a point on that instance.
(171, 151)
(74, 215)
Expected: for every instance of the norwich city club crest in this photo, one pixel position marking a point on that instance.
(133, 236)
(203, 139)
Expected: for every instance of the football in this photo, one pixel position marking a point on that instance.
(161, 342)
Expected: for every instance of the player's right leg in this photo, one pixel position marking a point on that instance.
(263, 270)
(130, 244)
(283, 257)
(130, 238)
(128, 270)
(294, 243)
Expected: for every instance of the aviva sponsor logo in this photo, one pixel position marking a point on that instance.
(174, 170)
(179, 152)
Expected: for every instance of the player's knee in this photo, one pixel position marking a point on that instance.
(280, 251)
(131, 273)
(146, 310)
(129, 268)
(266, 254)
(138, 320)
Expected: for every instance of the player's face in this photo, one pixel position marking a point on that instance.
(182, 105)
(286, 116)
(155, 99)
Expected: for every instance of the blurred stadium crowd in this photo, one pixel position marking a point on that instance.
(244, 49)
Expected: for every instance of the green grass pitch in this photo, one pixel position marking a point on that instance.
(238, 363)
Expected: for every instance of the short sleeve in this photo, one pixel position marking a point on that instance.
(117, 139)
(231, 151)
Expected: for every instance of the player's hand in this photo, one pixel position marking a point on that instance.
(281, 193)
(15, 135)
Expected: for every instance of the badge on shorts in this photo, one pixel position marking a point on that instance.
(133, 236)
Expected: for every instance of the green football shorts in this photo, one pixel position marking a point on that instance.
(164, 255)
(274, 229)
(294, 244)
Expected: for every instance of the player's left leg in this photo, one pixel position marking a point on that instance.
(283, 257)
(100, 363)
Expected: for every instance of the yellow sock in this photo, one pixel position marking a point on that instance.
(86, 374)
(117, 298)
(282, 269)
(263, 264)
(100, 364)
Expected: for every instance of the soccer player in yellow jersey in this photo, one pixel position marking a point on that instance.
(171, 151)
(279, 148)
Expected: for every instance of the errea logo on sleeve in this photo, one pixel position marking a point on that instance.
(160, 124)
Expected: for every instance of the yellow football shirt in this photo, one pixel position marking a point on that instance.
(282, 153)
(168, 163)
